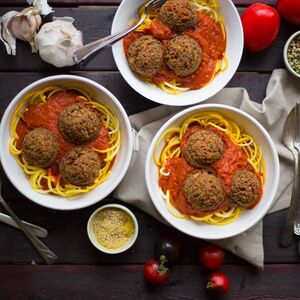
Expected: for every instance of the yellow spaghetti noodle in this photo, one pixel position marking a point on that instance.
(172, 139)
(208, 7)
(39, 176)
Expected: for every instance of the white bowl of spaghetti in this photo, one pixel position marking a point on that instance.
(247, 148)
(39, 106)
(212, 74)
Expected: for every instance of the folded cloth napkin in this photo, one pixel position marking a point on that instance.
(281, 95)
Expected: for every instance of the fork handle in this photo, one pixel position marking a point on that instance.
(287, 231)
(42, 249)
(88, 49)
(297, 205)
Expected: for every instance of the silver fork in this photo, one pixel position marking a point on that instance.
(88, 49)
(42, 249)
(297, 146)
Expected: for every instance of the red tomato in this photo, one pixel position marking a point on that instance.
(211, 256)
(155, 272)
(290, 10)
(218, 282)
(261, 24)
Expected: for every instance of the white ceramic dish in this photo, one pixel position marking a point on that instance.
(21, 182)
(92, 236)
(127, 12)
(250, 217)
(290, 69)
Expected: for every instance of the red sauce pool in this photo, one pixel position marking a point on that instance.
(208, 34)
(233, 160)
(46, 115)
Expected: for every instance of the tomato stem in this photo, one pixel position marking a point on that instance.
(162, 269)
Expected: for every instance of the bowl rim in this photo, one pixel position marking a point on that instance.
(203, 107)
(285, 49)
(88, 82)
(193, 98)
(128, 244)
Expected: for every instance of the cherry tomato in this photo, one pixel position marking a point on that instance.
(261, 24)
(290, 10)
(211, 256)
(155, 272)
(169, 247)
(218, 283)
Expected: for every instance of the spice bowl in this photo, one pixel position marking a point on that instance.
(286, 54)
(113, 225)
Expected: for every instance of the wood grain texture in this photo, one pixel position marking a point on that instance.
(96, 23)
(126, 282)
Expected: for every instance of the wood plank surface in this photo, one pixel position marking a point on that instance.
(96, 23)
(126, 282)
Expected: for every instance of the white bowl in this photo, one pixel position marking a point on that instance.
(127, 12)
(250, 217)
(93, 238)
(16, 174)
(286, 46)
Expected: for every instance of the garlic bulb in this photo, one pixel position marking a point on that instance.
(56, 42)
(26, 24)
(42, 5)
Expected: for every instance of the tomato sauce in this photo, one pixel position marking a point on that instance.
(233, 160)
(208, 33)
(46, 115)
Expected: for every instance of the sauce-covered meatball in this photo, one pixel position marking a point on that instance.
(179, 15)
(80, 166)
(78, 123)
(183, 55)
(204, 191)
(145, 55)
(244, 190)
(39, 147)
(203, 147)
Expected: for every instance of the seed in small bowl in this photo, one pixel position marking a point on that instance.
(291, 54)
(112, 228)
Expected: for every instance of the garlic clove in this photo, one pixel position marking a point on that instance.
(56, 42)
(6, 35)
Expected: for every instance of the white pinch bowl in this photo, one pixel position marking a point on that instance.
(93, 238)
(250, 217)
(127, 12)
(21, 182)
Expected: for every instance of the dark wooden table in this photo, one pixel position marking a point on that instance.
(82, 272)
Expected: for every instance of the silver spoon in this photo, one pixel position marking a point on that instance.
(42, 249)
(287, 231)
(88, 49)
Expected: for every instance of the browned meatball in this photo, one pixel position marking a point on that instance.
(183, 55)
(204, 191)
(145, 55)
(244, 190)
(40, 147)
(203, 147)
(179, 15)
(78, 123)
(80, 166)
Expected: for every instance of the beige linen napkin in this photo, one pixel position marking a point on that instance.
(281, 95)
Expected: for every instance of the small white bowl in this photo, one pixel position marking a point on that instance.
(290, 69)
(127, 12)
(119, 169)
(250, 217)
(93, 238)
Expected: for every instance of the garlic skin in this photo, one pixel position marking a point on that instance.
(6, 36)
(56, 42)
(26, 24)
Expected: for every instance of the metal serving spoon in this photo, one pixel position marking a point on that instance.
(287, 232)
(42, 249)
(88, 49)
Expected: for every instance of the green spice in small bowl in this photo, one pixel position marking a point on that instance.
(291, 54)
